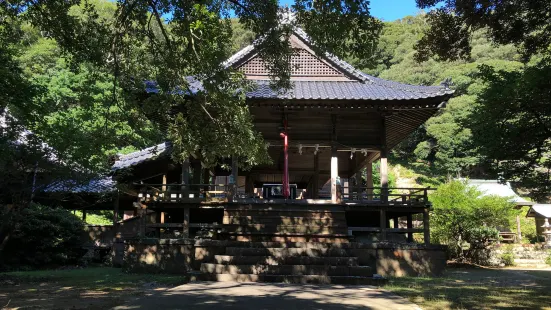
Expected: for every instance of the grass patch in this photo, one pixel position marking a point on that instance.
(88, 288)
(478, 288)
(94, 278)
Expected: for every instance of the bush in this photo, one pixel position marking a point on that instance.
(548, 259)
(40, 237)
(508, 257)
(463, 218)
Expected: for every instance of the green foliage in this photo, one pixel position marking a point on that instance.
(93, 76)
(527, 225)
(40, 236)
(507, 258)
(511, 124)
(99, 217)
(461, 215)
(510, 114)
(523, 23)
(548, 259)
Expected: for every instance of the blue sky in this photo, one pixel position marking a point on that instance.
(387, 10)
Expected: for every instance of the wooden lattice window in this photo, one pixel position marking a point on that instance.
(303, 64)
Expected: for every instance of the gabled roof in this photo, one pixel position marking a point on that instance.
(134, 158)
(361, 86)
(493, 187)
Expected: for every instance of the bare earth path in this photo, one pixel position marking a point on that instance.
(260, 296)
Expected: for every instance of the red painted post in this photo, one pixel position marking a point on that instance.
(286, 190)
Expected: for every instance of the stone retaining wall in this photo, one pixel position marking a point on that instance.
(184, 255)
(524, 255)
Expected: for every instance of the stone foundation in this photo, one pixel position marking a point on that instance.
(175, 256)
(184, 255)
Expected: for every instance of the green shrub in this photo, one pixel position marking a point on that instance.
(548, 259)
(40, 237)
(507, 258)
(463, 217)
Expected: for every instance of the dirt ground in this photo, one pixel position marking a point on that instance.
(105, 288)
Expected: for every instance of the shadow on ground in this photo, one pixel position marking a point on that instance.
(230, 295)
(478, 288)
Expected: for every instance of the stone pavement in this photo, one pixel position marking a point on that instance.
(264, 296)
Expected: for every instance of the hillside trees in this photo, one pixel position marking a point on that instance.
(444, 145)
(514, 104)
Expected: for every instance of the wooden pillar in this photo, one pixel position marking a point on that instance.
(185, 224)
(334, 173)
(164, 183)
(395, 220)
(359, 183)
(519, 234)
(206, 180)
(315, 183)
(233, 177)
(410, 226)
(426, 225)
(369, 180)
(384, 176)
(185, 179)
(382, 224)
(116, 213)
(249, 185)
(159, 218)
(384, 163)
(84, 215)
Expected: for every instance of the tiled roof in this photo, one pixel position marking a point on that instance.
(362, 87)
(99, 185)
(350, 90)
(135, 158)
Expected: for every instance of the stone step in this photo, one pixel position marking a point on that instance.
(322, 270)
(286, 229)
(260, 237)
(524, 261)
(287, 252)
(283, 220)
(293, 260)
(273, 244)
(299, 279)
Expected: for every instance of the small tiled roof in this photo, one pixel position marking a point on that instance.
(493, 187)
(99, 185)
(135, 158)
(543, 210)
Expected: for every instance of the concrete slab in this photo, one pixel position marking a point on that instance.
(263, 296)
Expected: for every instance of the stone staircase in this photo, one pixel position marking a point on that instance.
(291, 244)
(308, 262)
(285, 223)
